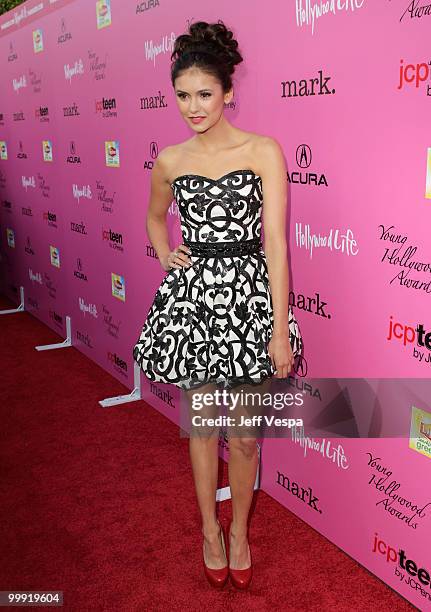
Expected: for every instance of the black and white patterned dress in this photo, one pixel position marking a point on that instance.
(212, 322)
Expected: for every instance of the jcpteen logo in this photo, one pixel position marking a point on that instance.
(407, 570)
(414, 75)
(406, 334)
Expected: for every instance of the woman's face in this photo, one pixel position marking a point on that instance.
(199, 94)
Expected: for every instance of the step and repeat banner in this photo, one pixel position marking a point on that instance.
(86, 104)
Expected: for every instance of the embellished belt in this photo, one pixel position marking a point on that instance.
(225, 249)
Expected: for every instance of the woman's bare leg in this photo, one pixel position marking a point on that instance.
(242, 468)
(203, 448)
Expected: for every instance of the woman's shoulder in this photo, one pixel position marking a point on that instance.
(263, 140)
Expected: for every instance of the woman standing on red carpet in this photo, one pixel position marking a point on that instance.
(220, 316)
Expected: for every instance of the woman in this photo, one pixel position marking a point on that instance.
(220, 316)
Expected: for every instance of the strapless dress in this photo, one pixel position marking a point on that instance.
(211, 322)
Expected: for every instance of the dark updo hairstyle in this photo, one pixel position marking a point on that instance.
(210, 47)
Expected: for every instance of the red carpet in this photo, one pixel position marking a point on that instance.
(99, 502)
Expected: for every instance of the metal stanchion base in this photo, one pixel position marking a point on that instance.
(20, 308)
(133, 396)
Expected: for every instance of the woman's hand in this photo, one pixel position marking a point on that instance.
(281, 354)
(178, 258)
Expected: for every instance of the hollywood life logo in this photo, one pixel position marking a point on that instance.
(420, 431)
(106, 107)
(335, 454)
(407, 570)
(75, 70)
(415, 75)
(19, 83)
(308, 11)
(82, 192)
(396, 504)
(115, 239)
(91, 309)
(402, 256)
(163, 46)
(334, 240)
(305, 176)
(28, 182)
(304, 495)
(35, 277)
(408, 335)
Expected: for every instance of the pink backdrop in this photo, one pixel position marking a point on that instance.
(86, 104)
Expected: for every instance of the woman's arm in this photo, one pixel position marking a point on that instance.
(161, 197)
(273, 173)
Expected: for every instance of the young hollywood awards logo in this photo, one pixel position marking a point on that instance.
(406, 334)
(414, 272)
(407, 571)
(397, 504)
(420, 431)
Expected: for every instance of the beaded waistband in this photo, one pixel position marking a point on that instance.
(225, 249)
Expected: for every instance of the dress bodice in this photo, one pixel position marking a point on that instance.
(227, 209)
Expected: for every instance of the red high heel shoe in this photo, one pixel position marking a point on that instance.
(217, 577)
(240, 578)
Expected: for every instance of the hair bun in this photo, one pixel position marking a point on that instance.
(214, 39)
